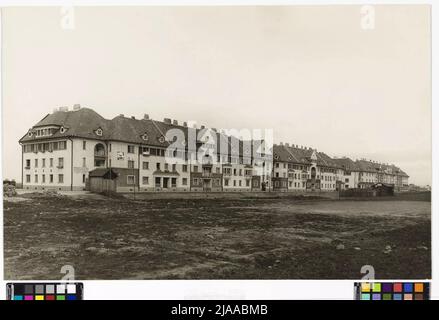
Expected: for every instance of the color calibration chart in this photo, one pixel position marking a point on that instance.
(392, 291)
(44, 291)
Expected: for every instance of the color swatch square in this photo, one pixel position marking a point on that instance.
(365, 287)
(376, 287)
(376, 296)
(397, 287)
(408, 287)
(397, 296)
(365, 296)
(387, 287)
(387, 296)
(419, 287)
(39, 289)
(408, 296)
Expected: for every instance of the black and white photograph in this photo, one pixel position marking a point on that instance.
(217, 142)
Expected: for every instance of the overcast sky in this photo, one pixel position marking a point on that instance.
(312, 74)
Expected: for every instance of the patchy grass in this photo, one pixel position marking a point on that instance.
(107, 238)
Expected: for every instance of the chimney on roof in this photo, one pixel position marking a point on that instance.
(146, 116)
(175, 123)
(287, 144)
(185, 124)
(167, 120)
(133, 117)
(63, 109)
(76, 107)
(203, 127)
(121, 115)
(281, 143)
(214, 130)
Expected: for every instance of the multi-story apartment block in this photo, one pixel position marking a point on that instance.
(302, 168)
(143, 155)
(70, 149)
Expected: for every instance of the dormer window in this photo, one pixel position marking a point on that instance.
(161, 139)
(29, 133)
(145, 136)
(62, 130)
(99, 132)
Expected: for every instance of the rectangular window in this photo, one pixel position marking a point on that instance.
(247, 183)
(28, 178)
(130, 148)
(166, 167)
(185, 168)
(195, 168)
(131, 179)
(51, 178)
(60, 163)
(218, 170)
(60, 178)
(184, 181)
(36, 163)
(83, 178)
(36, 178)
(145, 165)
(226, 182)
(51, 162)
(130, 164)
(145, 180)
(195, 181)
(62, 145)
(234, 183)
(173, 182)
(43, 177)
(27, 163)
(174, 167)
(84, 145)
(157, 182)
(240, 182)
(84, 162)
(158, 166)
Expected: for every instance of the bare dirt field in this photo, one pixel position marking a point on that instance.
(118, 238)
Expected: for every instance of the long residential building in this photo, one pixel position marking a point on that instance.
(70, 149)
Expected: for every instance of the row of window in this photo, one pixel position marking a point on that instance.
(43, 178)
(247, 183)
(43, 163)
(46, 146)
(297, 184)
(163, 182)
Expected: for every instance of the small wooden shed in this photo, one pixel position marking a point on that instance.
(102, 180)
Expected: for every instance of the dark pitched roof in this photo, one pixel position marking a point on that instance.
(301, 156)
(81, 123)
(106, 173)
(346, 163)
